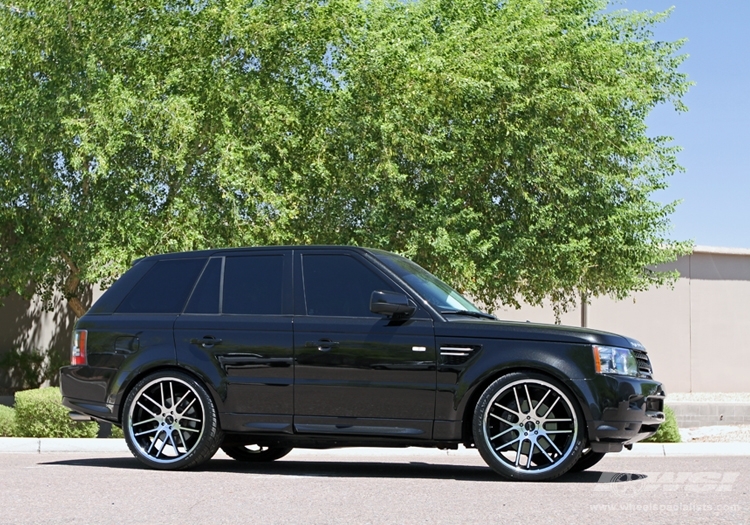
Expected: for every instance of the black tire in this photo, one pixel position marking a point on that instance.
(170, 422)
(255, 453)
(588, 459)
(528, 427)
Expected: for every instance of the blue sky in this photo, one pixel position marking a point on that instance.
(715, 132)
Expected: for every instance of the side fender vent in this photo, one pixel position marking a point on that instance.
(457, 354)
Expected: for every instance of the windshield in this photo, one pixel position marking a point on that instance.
(440, 296)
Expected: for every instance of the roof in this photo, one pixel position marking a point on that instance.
(721, 251)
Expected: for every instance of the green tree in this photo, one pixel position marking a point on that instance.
(501, 145)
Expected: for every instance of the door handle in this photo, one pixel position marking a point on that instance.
(324, 345)
(207, 341)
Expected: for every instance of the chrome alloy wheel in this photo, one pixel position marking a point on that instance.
(530, 425)
(166, 420)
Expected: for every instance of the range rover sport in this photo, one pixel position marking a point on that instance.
(260, 350)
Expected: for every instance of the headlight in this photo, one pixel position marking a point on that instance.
(612, 360)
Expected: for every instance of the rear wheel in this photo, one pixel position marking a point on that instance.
(528, 427)
(255, 453)
(170, 422)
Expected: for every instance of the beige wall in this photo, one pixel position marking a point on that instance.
(25, 325)
(696, 332)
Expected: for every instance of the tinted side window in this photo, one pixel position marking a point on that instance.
(339, 285)
(164, 289)
(205, 298)
(253, 284)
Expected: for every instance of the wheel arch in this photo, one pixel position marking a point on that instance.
(472, 398)
(133, 381)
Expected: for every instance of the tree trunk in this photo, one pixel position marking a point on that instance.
(71, 287)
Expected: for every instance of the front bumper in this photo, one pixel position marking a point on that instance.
(622, 410)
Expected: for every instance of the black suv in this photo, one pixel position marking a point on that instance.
(260, 350)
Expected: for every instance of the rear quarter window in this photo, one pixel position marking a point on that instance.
(164, 289)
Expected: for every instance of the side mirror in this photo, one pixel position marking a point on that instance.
(391, 304)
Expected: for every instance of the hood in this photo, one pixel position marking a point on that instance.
(498, 329)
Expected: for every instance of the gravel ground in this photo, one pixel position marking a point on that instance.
(714, 434)
(709, 397)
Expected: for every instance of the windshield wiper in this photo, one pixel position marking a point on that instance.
(480, 315)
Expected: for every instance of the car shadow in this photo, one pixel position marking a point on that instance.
(356, 469)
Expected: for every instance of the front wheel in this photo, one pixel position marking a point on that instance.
(255, 453)
(528, 427)
(588, 459)
(170, 422)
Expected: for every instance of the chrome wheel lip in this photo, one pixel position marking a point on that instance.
(565, 454)
(168, 423)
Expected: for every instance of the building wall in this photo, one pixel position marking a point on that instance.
(26, 326)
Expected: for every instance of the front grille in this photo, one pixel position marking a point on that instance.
(644, 363)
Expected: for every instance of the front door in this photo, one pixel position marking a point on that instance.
(356, 372)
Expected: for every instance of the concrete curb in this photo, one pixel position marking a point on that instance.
(118, 446)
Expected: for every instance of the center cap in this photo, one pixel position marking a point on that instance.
(530, 426)
(169, 420)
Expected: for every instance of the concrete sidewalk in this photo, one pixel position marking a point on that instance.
(118, 446)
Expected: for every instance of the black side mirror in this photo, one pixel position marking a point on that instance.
(391, 304)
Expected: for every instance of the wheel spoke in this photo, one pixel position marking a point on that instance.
(161, 407)
(558, 431)
(564, 420)
(174, 445)
(504, 432)
(545, 454)
(528, 397)
(509, 443)
(171, 394)
(149, 420)
(518, 452)
(553, 406)
(518, 404)
(182, 438)
(541, 401)
(161, 389)
(190, 419)
(554, 446)
(163, 444)
(144, 408)
(531, 452)
(186, 429)
(146, 432)
(187, 407)
(153, 442)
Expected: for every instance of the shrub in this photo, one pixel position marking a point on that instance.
(668, 431)
(40, 413)
(117, 432)
(7, 421)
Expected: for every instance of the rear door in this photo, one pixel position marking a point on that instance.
(356, 372)
(237, 328)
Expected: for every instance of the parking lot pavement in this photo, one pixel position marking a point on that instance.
(326, 487)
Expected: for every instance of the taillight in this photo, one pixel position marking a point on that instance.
(78, 350)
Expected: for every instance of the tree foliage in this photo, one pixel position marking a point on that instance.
(501, 145)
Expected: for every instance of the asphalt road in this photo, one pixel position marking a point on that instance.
(335, 487)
